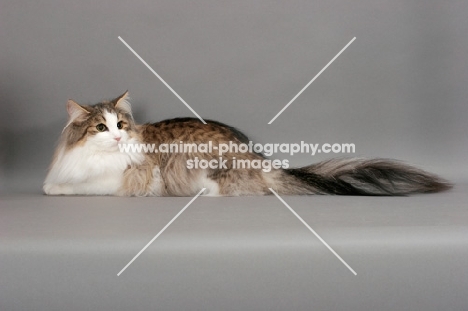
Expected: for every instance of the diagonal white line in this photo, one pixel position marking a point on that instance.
(160, 232)
(162, 80)
(313, 231)
(316, 76)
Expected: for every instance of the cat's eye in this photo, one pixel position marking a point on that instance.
(101, 127)
(120, 125)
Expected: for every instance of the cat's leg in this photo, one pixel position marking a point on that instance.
(98, 186)
(211, 186)
(142, 181)
(58, 189)
(156, 187)
(80, 189)
(239, 182)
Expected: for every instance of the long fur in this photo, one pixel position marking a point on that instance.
(367, 177)
(88, 161)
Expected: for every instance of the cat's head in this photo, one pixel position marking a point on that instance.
(103, 125)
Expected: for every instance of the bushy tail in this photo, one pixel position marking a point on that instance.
(361, 177)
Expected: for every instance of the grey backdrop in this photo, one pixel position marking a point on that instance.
(400, 90)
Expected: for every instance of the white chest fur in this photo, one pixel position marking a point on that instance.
(88, 170)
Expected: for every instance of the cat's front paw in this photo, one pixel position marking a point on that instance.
(56, 189)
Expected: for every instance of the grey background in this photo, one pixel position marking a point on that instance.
(247, 253)
(399, 91)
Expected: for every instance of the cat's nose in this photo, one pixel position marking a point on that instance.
(117, 138)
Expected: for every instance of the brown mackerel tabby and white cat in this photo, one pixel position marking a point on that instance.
(88, 161)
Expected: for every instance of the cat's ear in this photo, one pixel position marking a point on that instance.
(122, 102)
(75, 113)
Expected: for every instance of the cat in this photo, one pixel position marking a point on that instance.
(89, 161)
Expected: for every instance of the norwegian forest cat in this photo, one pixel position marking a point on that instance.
(88, 161)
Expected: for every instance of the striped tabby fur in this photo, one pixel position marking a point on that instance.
(87, 161)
